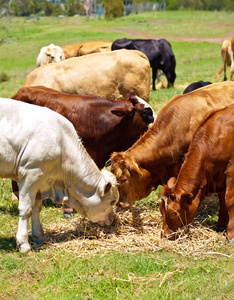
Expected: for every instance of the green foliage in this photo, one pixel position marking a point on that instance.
(114, 8)
(73, 7)
(4, 77)
(200, 5)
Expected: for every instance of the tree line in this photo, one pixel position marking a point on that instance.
(113, 8)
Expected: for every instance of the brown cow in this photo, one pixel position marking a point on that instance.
(71, 50)
(109, 74)
(94, 47)
(227, 54)
(84, 48)
(159, 153)
(208, 168)
(103, 125)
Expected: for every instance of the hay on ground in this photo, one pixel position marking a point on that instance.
(137, 229)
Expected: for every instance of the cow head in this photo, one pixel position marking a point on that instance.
(101, 208)
(177, 209)
(54, 53)
(134, 181)
(138, 105)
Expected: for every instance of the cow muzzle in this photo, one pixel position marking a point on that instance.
(107, 221)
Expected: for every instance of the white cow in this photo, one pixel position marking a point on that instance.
(40, 150)
(50, 54)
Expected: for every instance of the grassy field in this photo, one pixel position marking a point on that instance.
(128, 260)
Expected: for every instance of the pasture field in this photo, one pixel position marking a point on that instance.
(128, 260)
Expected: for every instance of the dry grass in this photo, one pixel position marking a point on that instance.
(138, 229)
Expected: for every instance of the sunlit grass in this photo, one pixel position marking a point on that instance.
(54, 272)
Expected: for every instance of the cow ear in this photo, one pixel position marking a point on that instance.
(134, 168)
(48, 51)
(171, 182)
(123, 111)
(132, 97)
(107, 188)
(186, 198)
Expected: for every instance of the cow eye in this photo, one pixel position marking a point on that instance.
(123, 180)
(112, 202)
(174, 214)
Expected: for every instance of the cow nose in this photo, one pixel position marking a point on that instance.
(108, 221)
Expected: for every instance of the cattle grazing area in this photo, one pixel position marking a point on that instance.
(129, 259)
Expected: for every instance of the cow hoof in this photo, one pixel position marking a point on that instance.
(221, 229)
(40, 240)
(25, 248)
(68, 214)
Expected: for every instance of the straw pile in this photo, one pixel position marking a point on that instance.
(138, 229)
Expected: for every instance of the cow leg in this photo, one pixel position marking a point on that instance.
(229, 201)
(28, 188)
(232, 66)
(154, 75)
(37, 230)
(168, 75)
(67, 211)
(25, 212)
(223, 214)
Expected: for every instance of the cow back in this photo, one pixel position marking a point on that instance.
(123, 72)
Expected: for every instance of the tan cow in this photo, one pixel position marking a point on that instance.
(84, 48)
(109, 74)
(50, 54)
(71, 50)
(94, 47)
(159, 153)
(227, 54)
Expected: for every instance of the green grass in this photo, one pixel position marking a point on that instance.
(145, 275)
(54, 273)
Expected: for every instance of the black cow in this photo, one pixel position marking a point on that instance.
(196, 85)
(159, 53)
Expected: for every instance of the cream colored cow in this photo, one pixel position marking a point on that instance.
(111, 74)
(49, 54)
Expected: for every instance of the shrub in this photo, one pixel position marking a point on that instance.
(4, 77)
(114, 8)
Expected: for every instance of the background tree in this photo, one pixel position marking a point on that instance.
(114, 8)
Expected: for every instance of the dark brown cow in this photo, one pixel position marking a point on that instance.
(208, 168)
(159, 153)
(104, 125)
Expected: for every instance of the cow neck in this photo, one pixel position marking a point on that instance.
(80, 169)
(193, 174)
(153, 154)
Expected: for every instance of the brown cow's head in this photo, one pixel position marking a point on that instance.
(134, 181)
(177, 209)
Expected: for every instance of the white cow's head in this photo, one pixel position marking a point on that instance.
(98, 205)
(50, 54)
(106, 196)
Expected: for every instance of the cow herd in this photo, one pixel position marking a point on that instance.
(87, 104)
